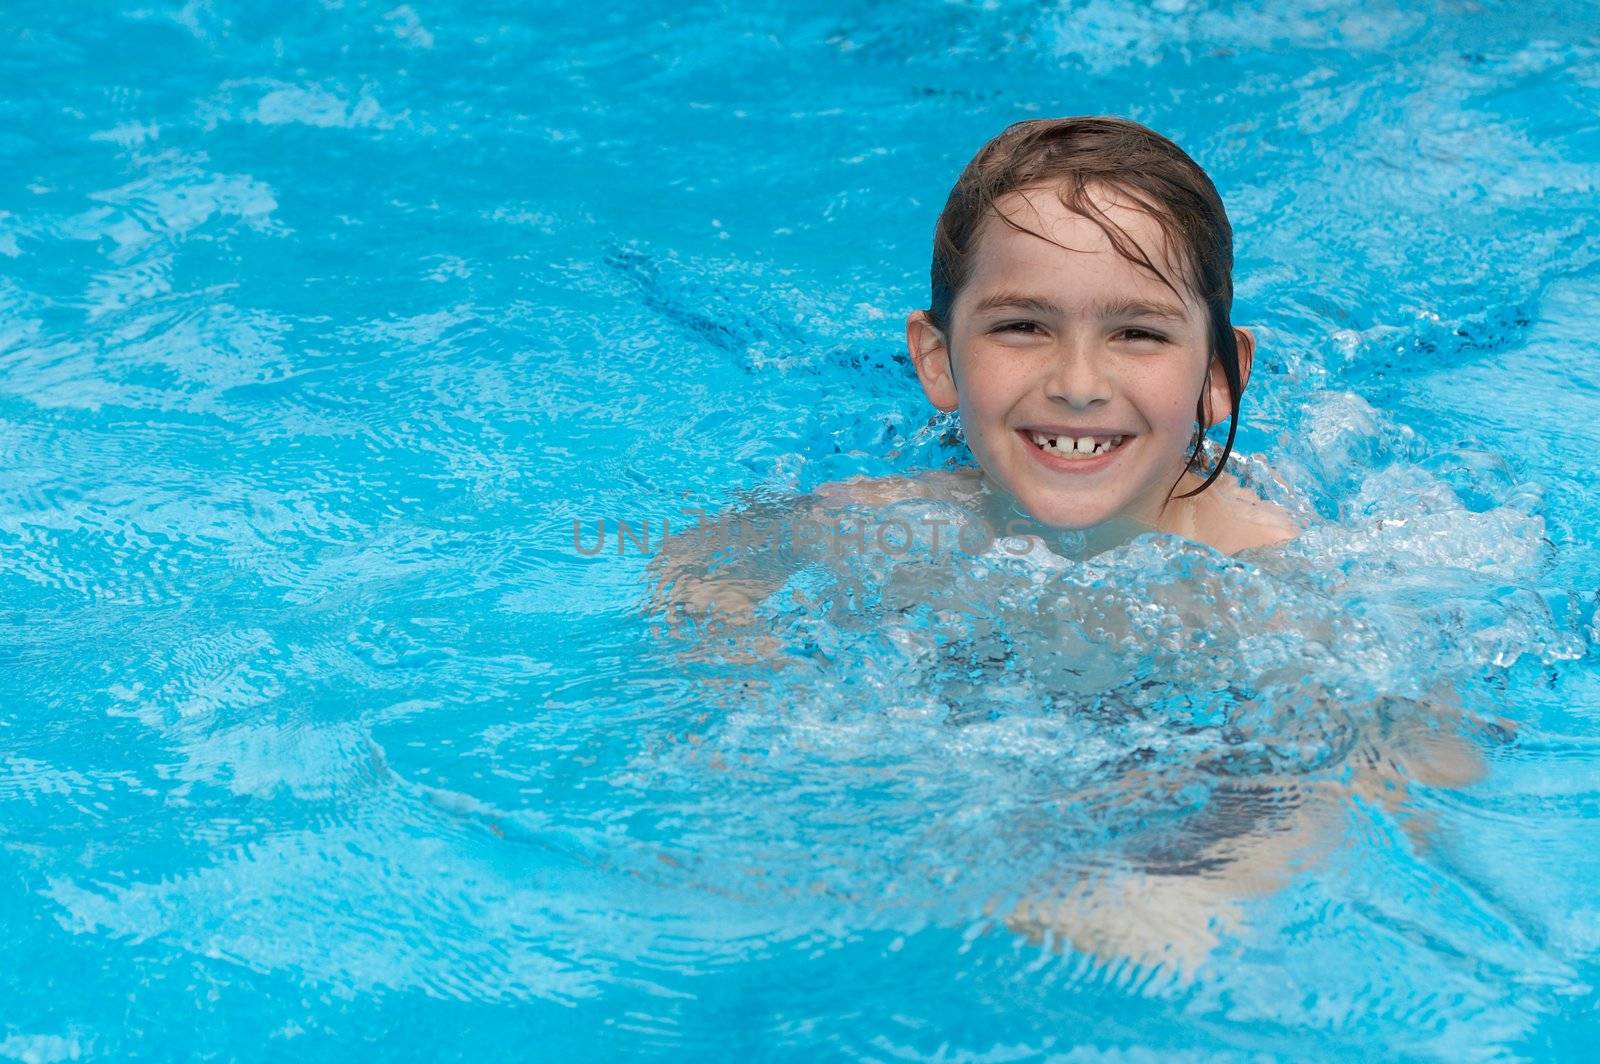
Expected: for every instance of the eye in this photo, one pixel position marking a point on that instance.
(1142, 335)
(1019, 328)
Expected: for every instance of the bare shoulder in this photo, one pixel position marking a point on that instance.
(881, 491)
(875, 491)
(1233, 518)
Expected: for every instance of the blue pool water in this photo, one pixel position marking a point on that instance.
(321, 324)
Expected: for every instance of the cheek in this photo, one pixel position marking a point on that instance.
(977, 418)
(1179, 413)
(987, 392)
(1173, 397)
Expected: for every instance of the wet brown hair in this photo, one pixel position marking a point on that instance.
(1072, 156)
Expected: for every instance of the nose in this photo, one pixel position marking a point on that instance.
(1078, 377)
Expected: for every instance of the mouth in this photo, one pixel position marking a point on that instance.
(1075, 453)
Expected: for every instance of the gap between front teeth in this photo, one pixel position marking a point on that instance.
(1084, 446)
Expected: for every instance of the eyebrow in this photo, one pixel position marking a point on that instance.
(1121, 308)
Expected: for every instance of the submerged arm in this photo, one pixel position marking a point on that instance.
(1174, 915)
(721, 570)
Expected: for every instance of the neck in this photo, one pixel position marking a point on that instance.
(1005, 516)
(1180, 516)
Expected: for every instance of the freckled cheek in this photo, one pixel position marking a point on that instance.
(986, 400)
(979, 422)
(1169, 399)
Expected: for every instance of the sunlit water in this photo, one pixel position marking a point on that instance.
(321, 324)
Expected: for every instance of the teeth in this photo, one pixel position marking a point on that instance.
(1084, 446)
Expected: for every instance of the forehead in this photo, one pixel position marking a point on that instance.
(1070, 254)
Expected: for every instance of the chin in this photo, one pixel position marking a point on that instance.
(1068, 518)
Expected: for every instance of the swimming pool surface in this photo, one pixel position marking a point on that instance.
(321, 324)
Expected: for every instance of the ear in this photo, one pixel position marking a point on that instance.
(1218, 401)
(930, 354)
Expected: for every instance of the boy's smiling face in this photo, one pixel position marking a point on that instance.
(1046, 343)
